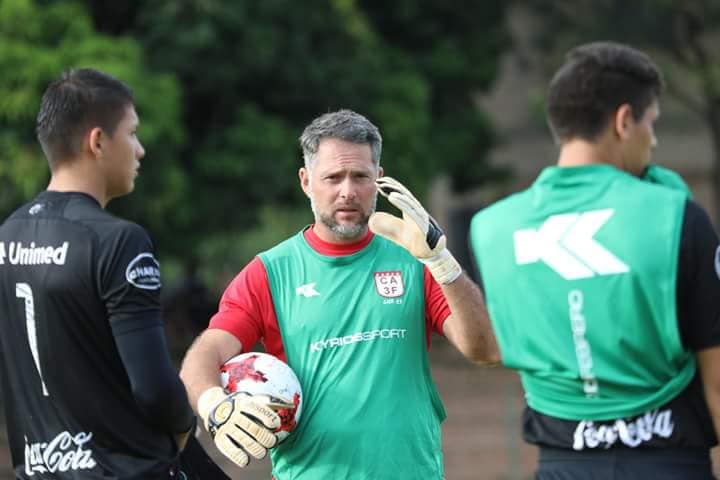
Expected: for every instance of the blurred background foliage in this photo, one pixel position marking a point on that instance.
(682, 36)
(224, 89)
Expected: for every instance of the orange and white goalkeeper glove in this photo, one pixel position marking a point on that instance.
(417, 231)
(239, 426)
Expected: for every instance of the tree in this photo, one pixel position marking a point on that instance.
(683, 35)
(254, 73)
(457, 51)
(36, 44)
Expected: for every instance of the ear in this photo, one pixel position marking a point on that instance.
(381, 172)
(623, 121)
(95, 139)
(304, 176)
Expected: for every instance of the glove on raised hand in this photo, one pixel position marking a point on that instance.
(417, 231)
(238, 425)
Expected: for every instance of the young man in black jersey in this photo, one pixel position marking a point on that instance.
(603, 285)
(88, 386)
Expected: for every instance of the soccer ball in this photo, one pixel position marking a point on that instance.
(271, 381)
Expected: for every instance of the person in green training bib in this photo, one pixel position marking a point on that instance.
(349, 303)
(602, 281)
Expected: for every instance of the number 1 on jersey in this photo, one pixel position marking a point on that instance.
(23, 290)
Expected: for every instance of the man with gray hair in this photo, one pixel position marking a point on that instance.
(344, 126)
(352, 313)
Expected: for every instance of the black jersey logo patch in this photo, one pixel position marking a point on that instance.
(37, 208)
(144, 272)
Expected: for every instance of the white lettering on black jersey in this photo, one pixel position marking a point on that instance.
(63, 453)
(631, 433)
(17, 253)
(144, 272)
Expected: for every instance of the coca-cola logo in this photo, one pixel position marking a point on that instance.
(590, 434)
(63, 453)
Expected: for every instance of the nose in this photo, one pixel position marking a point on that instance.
(653, 140)
(140, 151)
(347, 189)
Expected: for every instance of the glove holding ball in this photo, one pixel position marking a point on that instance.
(256, 408)
(238, 425)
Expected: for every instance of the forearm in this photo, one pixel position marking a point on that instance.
(468, 326)
(201, 365)
(239, 426)
(167, 404)
(154, 382)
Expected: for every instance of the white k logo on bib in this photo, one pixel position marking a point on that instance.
(565, 244)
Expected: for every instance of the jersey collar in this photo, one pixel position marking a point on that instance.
(331, 249)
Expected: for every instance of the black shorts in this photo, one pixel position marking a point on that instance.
(624, 464)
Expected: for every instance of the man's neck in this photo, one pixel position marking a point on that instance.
(577, 153)
(78, 176)
(335, 249)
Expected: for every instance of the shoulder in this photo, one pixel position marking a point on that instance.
(114, 231)
(697, 223)
(19, 212)
(646, 192)
(105, 226)
(283, 248)
(655, 174)
(695, 213)
(500, 214)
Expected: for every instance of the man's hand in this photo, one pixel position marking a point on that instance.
(417, 231)
(238, 425)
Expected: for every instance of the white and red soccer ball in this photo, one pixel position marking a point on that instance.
(269, 379)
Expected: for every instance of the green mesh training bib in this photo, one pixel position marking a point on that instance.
(580, 278)
(666, 177)
(353, 329)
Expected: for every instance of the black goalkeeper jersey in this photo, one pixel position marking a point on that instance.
(71, 277)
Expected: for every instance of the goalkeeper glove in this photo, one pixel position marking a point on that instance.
(417, 231)
(238, 425)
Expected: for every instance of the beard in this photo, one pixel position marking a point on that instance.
(345, 231)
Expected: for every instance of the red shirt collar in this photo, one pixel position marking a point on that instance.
(335, 249)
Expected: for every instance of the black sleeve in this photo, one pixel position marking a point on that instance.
(155, 383)
(698, 281)
(129, 283)
(129, 276)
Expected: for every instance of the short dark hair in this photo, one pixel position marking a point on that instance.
(344, 125)
(79, 100)
(595, 80)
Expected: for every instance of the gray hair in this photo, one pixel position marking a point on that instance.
(344, 125)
